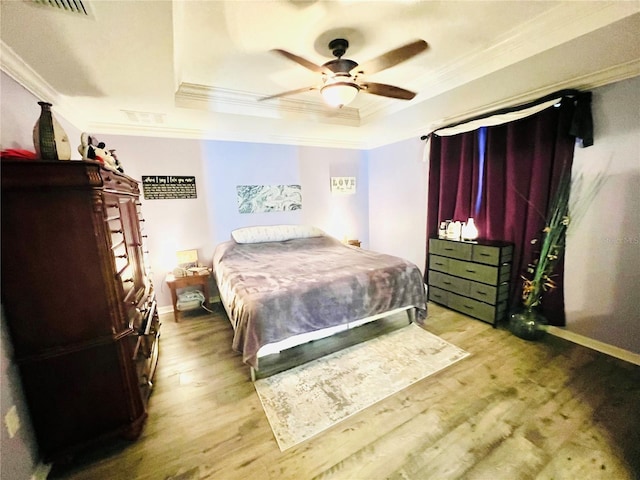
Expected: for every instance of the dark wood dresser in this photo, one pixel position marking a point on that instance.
(471, 277)
(78, 301)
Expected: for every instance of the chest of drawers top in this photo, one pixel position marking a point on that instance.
(64, 175)
(488, 252)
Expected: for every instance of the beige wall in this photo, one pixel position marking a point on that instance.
(603, 249)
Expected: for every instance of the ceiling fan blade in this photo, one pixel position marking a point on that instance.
(392, 57)
(387, 91)
(290, 92)
(302, 61)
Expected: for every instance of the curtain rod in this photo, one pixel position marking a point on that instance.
(501, 111)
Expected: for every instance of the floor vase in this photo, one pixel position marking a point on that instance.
(528, 323)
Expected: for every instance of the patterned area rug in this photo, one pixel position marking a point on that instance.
(308, 399)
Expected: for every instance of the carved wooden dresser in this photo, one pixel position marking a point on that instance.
(78, 300)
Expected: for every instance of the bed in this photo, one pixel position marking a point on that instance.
(282, 286)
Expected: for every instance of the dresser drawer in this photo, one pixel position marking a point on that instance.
(488, 293)
(438, 295)
(474, 271)
(448, 282)
(472, 307)
(450, 249)
(483, 292)
(485, 254)
(441, 264)
(492, 255)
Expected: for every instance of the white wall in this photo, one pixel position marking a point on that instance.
(602, 262)
(20, 453)
(338, 214)
(398, 200)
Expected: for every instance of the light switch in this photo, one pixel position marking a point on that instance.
(12, 420)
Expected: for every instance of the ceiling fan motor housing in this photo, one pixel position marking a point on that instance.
(341, 65)
(338, 47)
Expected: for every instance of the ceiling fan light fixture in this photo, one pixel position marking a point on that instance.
(338, 94)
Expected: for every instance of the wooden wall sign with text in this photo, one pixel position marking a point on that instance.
(343, 185)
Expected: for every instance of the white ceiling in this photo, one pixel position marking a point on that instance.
(195, 69)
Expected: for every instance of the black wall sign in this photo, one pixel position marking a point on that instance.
(160, 187)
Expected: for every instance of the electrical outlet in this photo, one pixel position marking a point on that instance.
(12, 421)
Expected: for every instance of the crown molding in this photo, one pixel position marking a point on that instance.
(229, 135)
(203, 97)
(617, 73)
(13, 65)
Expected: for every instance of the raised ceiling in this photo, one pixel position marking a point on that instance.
(196, 69)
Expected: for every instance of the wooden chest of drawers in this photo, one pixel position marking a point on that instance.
(78, 300)
(471, 277)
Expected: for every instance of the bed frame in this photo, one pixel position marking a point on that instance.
(298, 351)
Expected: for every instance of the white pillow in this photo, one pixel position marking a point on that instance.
(274, 233)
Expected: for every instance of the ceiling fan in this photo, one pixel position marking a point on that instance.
(340, 83)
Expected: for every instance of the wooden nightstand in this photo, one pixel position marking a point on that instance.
(353, 243)
(176, 283)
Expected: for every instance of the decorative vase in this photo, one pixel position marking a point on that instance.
(49, 138)
(469, 230)
(528, 324)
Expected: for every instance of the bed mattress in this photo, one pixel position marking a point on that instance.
(273, 291)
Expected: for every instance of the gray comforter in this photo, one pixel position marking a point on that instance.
(275, 290)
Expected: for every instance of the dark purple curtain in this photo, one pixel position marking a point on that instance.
(522, 165)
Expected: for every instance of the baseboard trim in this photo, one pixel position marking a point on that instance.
(41, 472)
(597, 345)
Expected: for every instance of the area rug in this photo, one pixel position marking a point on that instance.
(310, 398)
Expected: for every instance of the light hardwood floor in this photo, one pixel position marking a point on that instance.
(511, 410)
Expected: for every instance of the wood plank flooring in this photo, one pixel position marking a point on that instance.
(512, 410)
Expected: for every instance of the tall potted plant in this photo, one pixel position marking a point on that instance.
(529, 323)
(567, 207)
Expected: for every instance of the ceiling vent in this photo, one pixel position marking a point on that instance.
(69, 6)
